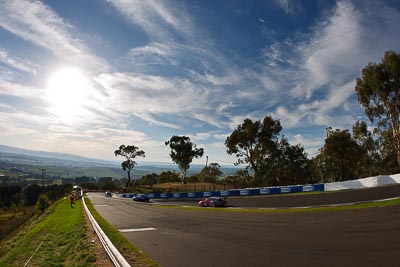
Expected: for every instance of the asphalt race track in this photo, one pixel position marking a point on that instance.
(305, 200)
(211, 237)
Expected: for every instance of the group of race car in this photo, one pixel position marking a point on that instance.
(205, 202)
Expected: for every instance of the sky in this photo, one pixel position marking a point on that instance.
(85, 76)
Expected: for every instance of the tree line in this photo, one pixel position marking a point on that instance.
(14, 196)
(271, 160)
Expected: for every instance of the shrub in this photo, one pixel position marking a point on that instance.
(43, 202)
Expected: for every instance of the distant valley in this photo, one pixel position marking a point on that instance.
(69, 166)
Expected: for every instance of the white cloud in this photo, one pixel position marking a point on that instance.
(218, 80)
(338, 96)
(289, 6)
(16, 62)
(154, 48)
(321, 72)
(20, 90)
(151, 54)
(288, 118)
(201, 136)
(311, 144)
(342, 45)
(300, 139)
(221, 137)
(190, 60)
(327, 55)
(150, 119)
(235, 121)
(29, 131)
(322, 111)
(37, 23)
(147, 96)
(154, 16)
(96, 143)
(209, 119)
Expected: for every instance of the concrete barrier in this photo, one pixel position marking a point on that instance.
(364, 182)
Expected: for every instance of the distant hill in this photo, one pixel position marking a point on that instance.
(51, 156)
(78, 166)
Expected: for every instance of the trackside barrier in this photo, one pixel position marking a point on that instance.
(237, 192)
(116, 257)
(364, 182)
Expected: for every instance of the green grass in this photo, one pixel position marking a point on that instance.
(129, 251)
(379, 204)
(57, 238)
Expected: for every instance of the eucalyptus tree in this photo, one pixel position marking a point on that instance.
(149, 179)
(211, 172)
(340, 155)
(295, 166)
(254, 143)
(183, 151)
(370, 157)
(129, 153)
(168, 177)
(378, 91)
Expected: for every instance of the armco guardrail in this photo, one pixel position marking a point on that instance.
(237, 192)
(116, 257)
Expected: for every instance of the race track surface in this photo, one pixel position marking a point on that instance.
(301, 200)
(326, 198)
(215, 237)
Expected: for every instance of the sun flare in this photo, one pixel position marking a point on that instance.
(67, 92)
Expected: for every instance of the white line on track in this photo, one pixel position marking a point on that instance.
(100, 205)
(137, 230)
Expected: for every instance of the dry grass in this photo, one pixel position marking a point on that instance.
(11, 221)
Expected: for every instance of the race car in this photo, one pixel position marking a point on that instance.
(141, 198)
(213, 202)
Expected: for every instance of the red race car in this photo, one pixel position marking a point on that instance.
(213, 202)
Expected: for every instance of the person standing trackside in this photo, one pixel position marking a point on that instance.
(71, 200)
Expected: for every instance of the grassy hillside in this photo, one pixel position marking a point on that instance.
(62, 236)
(57, 238)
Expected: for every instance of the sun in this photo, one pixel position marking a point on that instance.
(67, 92)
